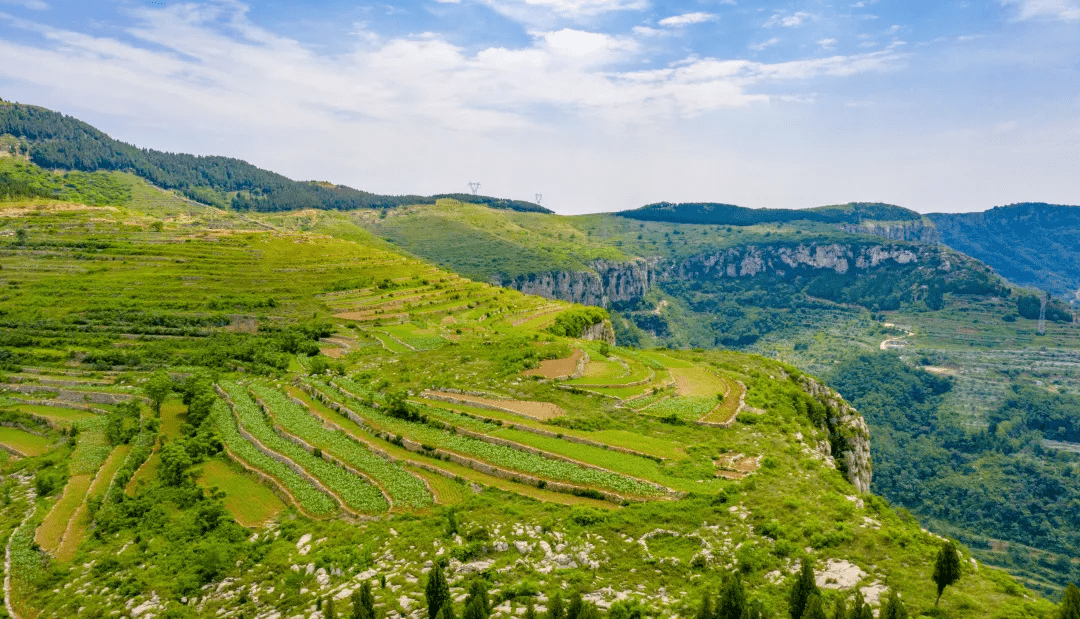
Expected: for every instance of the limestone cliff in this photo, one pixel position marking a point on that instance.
(600, 332)
(848, 435)
(610, 281)
(921, 231)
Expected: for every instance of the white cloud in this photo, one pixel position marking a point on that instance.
(789, 21)
(545, 13)
(36, 5)
(686, 19)
(757, 47)
(1064, 10)
(827, 44)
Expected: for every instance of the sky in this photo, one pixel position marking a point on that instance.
(596, 105)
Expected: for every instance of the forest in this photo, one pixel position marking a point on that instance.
(731, 215)
(957, 476)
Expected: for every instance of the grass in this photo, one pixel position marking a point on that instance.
(56, 414)
(447, 491)
(51, 531)
(172, 411)
(144, 476)
(24, 443)
(80, 521)
(250, 502)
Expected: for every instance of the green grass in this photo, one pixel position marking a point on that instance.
(250, 502)
(23, 442)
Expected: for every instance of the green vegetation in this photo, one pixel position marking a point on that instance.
(731, 215)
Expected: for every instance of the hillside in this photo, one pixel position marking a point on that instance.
(710, 213)
(1032, 244)
(221, 414)
(52, 140)
(815, 296)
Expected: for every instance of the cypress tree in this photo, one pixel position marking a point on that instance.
(447, 611)
(589, 611)
(946, 568)
(841, 610)
(801, 592)
(893, 608)
(732, 601)
(363, 602)
(478, 592)
(474, 609)
(815, 609)
(328, 611)
(556, 608)
(1070, 603)
(437, 591)
(573, 609)
(857, 605)
(530, 610)
(756, 611)
(706, 609)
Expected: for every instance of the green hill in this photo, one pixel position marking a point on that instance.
(171, 371)
(53, 140)
(1033, 244)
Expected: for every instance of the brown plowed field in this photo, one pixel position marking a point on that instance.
(558, 368)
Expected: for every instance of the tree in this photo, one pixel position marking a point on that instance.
(858, 604)
(157, 388)
(756, 611)
(732, 601)
(946, 568)
(556, 608)
(363, 602)
(447, 611)
(589, 611)
(573, 609)
(328, 610)
(893, 608)
(474, 609)
(530, 610)
(805, 586)
(437, 591)
(175, 461)
(841, 610)
(1070, 603)
(815, 609)
(705, 611)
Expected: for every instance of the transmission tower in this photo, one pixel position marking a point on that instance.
(1042, 313)
(539, 197)
(474, 187)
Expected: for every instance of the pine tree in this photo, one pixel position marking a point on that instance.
(478, 591)
(530, 610)
(705, 611)
(841, 610)
(732, 601)
(801, 592)
(573, 609)
(946, 568)
(447, 611)
(893, 608)
(1070, 603)
(556, 608)
(437, 591)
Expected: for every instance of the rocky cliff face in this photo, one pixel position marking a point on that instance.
(606, 282)
(625, 281)
(600, 332)
(922, 231)
(848, 434)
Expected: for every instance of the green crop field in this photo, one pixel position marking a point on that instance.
(23, 442)
(251, 503)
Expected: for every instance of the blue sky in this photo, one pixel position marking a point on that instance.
(599, 105)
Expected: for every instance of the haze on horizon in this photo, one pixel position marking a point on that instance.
(600, 105)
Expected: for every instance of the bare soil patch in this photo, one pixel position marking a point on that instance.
(528, 408)
(558, 368)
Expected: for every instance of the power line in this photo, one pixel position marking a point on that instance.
(1042, 313)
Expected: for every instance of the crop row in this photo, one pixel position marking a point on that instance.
(403, 487)
(498, 455)
(357, 493)
(309, 497)
(683, 407)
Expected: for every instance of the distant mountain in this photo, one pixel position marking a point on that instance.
(731, 215)
(53, 140)
(1034, 244)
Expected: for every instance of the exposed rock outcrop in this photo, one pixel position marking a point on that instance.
(608, 281)
(922, 231)
(600, 332)
(848, 434)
